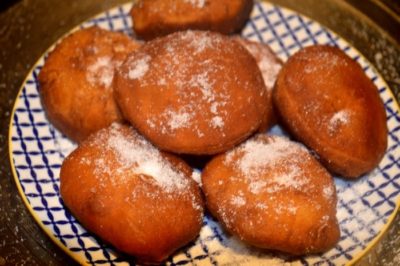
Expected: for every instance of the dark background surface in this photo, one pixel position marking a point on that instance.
(29, 27)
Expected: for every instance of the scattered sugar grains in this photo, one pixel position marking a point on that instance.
(266, 61)
(258, 155)
(101, 72)
(196, 176)
(139, 67)
(195, 91)
(196, 3)
(340, 118)
(238, 201)
(178, 119)
(328, 192)
(134, 153)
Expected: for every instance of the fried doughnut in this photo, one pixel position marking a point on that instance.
(328, 103)
(269, 65)
(192, 92)
(155, 18)
(75, 82)
(273, 194)
(121, 188)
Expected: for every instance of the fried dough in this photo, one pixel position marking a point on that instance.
(328, 103)
(273, 194)
(124, 190)
(155, 18)
(192, 92)
(76, 81)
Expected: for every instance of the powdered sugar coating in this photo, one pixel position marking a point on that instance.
(256, 154)
(268, 167)
(260, 190)
(104, 55)
(238, 201)
(139, 67)
(338, 119)
(137, 156)
(329, 191)
(194, 90)
(201, 90)
(77, 80)
(256, 157)
(101, 72)
(267, 61)
(196, 176)
(196, 3)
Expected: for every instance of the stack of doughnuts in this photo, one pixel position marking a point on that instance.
(138, 108)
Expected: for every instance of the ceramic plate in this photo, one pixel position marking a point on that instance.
(365, 207)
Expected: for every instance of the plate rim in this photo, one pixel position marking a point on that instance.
(77, 257)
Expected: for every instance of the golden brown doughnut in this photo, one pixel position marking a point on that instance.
(155, 18)
(192, 92)
(75, 82)
(121, 188)
(328, 103)
(273, 194)
(269, 65)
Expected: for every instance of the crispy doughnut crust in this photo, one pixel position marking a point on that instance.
(192, 92)
(269, 65)
(131, 210)
(273, 194)
(328, 103)
(75, 82)
(155, 18)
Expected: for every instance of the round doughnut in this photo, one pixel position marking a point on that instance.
(273, 194)
(192, 92)
(328, 103)
(269, 65)
(121, 188)
(76, 81)
(155, 18)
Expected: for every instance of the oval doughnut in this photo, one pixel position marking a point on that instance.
(121, 188)
(155, 18)
(76, 81)
(273, 194)
(192, 92)
(328, 103)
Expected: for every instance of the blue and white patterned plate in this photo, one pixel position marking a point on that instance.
(365, 207)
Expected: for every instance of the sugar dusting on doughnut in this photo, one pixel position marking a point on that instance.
(196, 3)
(267, 61)
(257, 154)
(328, 102)
(120, 187)
(268, 189)
(186, 91)
(331, 121)
(101, 72)
(139, 67)
(255, 157)
(200, 85)
(76, 81)
(338, 119)
(196, 176)
(135, 154)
